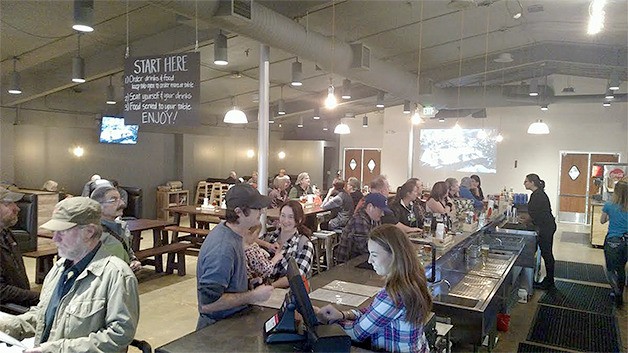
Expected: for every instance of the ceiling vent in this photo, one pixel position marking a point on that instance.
(237, 8)
(461, 4)
(361, 57)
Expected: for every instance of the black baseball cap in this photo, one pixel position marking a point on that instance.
(242, 194)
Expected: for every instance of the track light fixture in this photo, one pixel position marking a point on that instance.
(346, 89)
(297, 74)
(15, 80)
(111, 94)
(83, 15)
(406, 107)
(380, 100)
(220, 49)
(78, 65)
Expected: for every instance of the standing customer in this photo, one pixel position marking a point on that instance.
(394, 321)
(540, 212)
(615, 249)
(89, 300)
(14, 284)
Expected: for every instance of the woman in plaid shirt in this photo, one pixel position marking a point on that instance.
(292, 239)
(394, 321)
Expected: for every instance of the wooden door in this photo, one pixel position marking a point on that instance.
(574, 171)
(353, 164)
(370, 165)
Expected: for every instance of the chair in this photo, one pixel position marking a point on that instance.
(13, 309)
(25, 230)
(134, 207)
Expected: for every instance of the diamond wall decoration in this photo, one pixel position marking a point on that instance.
(371, 165)
(353, 164)
(574, 172)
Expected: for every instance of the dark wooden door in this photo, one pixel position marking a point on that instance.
(573, 182)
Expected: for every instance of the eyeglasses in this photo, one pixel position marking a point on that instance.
(113, 200)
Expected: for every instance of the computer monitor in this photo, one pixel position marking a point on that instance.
(300, 295)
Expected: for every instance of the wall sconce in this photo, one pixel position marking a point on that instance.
(250, 153)
(281, 154)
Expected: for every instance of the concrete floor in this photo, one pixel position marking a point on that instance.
(168, 302)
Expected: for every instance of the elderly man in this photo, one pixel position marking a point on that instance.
(221, 279)
(354, 237)
(116, 236)
(14, 284)
(89, 299)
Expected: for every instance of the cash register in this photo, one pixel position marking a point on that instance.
(313, 336)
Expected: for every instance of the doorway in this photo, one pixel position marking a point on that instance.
(362, 163)
(576, 184)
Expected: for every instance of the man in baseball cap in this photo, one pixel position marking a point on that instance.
(87, 279)
(221, 279)
(354, 237)
(14, 283)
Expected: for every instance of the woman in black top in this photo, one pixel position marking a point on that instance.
(407, 207)
(540, 212)
(476, 188)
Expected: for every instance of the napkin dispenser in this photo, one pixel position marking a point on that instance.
(174, 185)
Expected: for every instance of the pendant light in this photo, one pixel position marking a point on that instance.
(78, 65)
(538, 128)
(606, 104)
(342, 129)
(281, 109)
(297, 74)
(111, 94)
(220, 49)
(416, 117)
(15, 80)
(300, 123)
(544, 107)
(609, 94)
(346, 89)
(406, 107)
(83, 15)
(235, 115)
(534, 88)
(317, 114)
(365, 121)
(614, 81)
(325, 128)
(380, 100)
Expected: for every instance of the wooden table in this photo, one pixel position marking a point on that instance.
(44, 258)
(136, 226)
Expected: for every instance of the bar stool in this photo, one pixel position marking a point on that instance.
(329, 241)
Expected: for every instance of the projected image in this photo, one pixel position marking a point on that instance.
(458, 149)
(113, 130)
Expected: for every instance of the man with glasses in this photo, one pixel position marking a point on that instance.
(221, 279)
(89, 299)
(116, 236)
(14, 284)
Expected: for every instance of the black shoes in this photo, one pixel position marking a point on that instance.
(618, 299)
(546, 284)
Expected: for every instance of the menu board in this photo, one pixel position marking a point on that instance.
(162, 90)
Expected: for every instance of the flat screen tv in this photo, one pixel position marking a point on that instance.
(113, 130)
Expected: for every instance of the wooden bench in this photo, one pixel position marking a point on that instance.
(173, 250)
(44, 260)
(196, 235)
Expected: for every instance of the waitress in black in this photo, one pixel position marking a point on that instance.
(540, 212)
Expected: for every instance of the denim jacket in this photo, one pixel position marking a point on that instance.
(99, 314)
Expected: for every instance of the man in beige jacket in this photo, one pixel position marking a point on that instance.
(89, 300)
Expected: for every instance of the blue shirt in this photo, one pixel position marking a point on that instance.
(465, 193)
(618, 220)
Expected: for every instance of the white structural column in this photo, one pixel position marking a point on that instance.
(410, 149)
(263, 129)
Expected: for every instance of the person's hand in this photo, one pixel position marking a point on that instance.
(254, 282)
(328, 313)
(278, 257)
(135, 265)
(275, 247)
(262, 293)
(33, 350)
(524, 218)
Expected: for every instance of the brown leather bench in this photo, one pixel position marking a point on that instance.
(175, 258)
(44, 260)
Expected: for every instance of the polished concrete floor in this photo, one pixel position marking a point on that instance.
(168, 302)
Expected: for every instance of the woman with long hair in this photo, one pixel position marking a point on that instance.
(615, 249)
(476, 187)
(540, 213)
(394, 321)
(292, 239)
(407, 207)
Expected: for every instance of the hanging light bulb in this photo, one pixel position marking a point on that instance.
(330, 101)
(538, 128)
(297, 74)
(111, 93)
(457, 127)
(342, 129)
(416, 118)
(482, 134)
(235, 115)
(317, 114)
(15, 80)
(83, 15)
(346, 89)
(220, 49)
(499, 137)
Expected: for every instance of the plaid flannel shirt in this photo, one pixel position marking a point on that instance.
(384, 323)
(298, 247)
(354, 237)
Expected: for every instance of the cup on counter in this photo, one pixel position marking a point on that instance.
(440, 231)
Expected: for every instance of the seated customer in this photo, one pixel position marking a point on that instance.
(14, 284)
(408, 208)
(279, 194)
(221, 280)
(89, 300)
(116, 236)
(301, 187)
(353, 239)
(292, 238)
(395, 321)
(341, 204)
(253, 180)
(355, 190)
(438, 202)
(476, 187)
(465, 193)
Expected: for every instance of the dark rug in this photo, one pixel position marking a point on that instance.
(575, 238)
(575, 330)
(580, 272)
(580, 297)
(533, 348)
(365, 265)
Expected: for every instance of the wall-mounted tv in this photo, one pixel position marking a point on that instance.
(113, 130)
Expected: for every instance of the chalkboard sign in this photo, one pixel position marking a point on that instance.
(162, 90)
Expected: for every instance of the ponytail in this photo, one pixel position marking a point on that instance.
(534, 179)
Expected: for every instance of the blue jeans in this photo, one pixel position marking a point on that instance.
(615, 254)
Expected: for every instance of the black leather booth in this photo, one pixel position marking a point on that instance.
(133, 208)
(25, 230)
